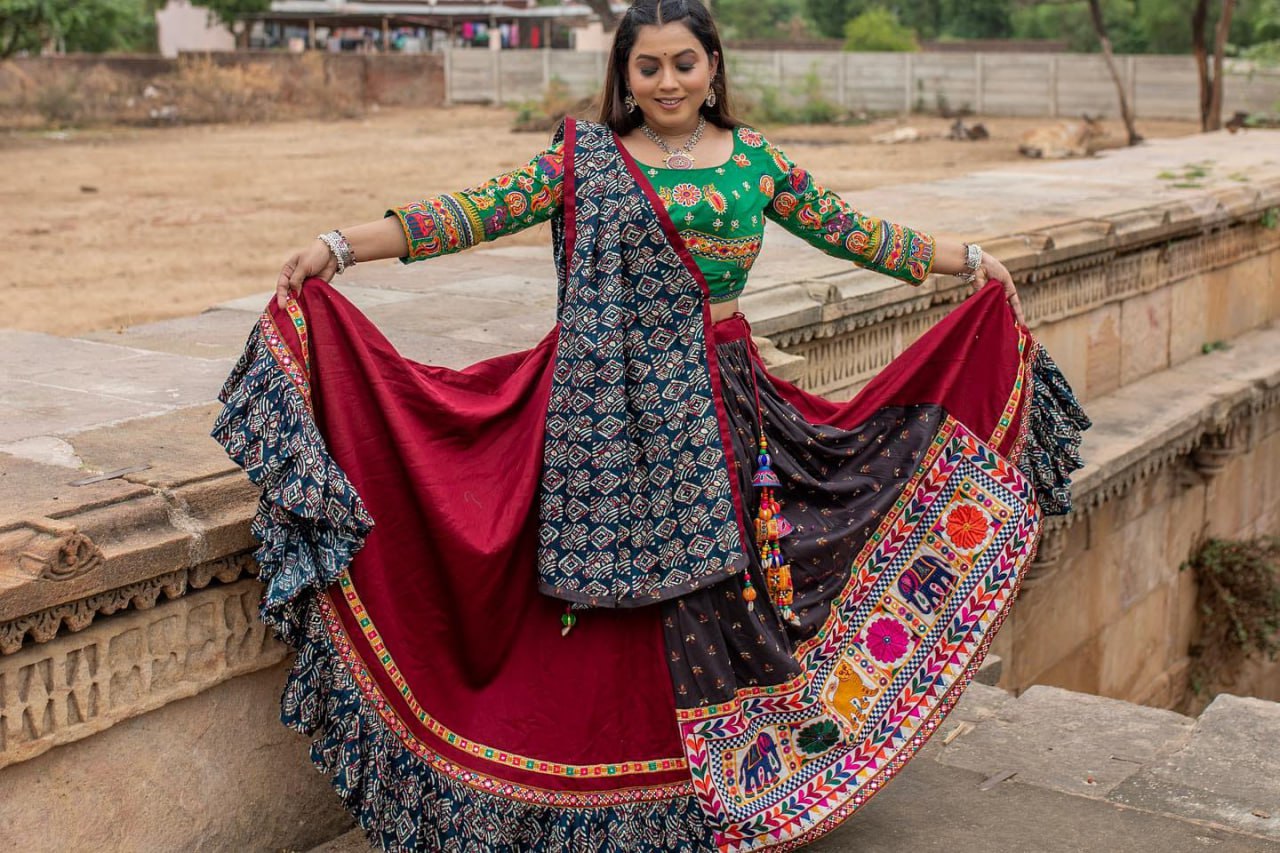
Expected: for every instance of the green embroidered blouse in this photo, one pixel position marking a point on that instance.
(718, 210)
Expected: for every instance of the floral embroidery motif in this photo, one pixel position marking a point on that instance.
(766, 185)
(750, 137)
(503, 205)
(686, 195)
(901, 644)
(887, 639)
(967, 526)
(742, 160)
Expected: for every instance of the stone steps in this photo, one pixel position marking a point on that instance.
(1077, 772)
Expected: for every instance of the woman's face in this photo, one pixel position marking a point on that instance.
(670, 74)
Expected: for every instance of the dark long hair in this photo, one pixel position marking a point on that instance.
(694, 15)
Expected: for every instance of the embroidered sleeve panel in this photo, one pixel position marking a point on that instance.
(508, 203)
(823, 219)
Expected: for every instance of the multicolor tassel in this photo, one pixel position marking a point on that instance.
(770, 527)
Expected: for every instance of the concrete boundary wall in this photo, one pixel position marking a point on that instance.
(1014, 84)
(394, 80)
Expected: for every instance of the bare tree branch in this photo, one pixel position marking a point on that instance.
(1198, 18)
(1100, 27)
(1210, 81)
(1219, 47)
(604, 11)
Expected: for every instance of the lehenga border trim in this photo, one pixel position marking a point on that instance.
(479, 750)
(927, 459)
(788, 690)
(1011, 406)
(295, 369)
(927, 729)
(372, 694)
(761, 740)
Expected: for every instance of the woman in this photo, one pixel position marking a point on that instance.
(626, 590)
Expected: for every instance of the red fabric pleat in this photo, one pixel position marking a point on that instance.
(448, 464)
(967, 363)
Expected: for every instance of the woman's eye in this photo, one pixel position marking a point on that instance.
(684, 69)
(648, 72)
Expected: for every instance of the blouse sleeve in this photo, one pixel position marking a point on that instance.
(508, 203)
(823, 219)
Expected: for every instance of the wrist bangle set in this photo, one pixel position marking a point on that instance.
(339, 248)
(972, 261)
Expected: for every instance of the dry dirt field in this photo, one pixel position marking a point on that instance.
(108, 229)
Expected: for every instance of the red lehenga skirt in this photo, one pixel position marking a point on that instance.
(452, 711)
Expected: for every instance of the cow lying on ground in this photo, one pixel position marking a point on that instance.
(1063, 139)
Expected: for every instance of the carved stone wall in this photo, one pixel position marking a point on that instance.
(214, 772)
(77, 685)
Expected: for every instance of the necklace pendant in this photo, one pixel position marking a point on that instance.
(680, 160)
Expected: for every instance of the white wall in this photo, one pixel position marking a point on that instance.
(181, 26)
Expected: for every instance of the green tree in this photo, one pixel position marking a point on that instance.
(977, 19)
(757, 19)
(76, 25)
(830, 16)
(878, 29)
(1071, 22)
(925, 17)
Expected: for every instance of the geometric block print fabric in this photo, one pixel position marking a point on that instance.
(780, 765)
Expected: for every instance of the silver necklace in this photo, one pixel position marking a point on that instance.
(680, 158)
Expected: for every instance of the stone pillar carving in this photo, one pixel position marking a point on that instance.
(45, 549)
(1218, 446)
(1049, 551)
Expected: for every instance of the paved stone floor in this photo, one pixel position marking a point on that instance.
(1078, 773)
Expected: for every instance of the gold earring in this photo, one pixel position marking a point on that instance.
(629, 102)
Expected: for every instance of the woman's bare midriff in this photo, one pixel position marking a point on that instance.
(723, 310)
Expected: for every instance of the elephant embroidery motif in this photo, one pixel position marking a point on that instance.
(760, 765)
(926, 583)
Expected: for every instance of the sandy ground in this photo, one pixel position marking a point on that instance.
(108, 229)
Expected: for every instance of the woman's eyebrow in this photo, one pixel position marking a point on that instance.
(678, 55)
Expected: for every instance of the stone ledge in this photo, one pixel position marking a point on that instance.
(1191, 415)
(175, 518)
(99, 559)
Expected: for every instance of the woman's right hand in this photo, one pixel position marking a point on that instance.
(314, 260)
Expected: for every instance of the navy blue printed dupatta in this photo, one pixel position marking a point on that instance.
(638, 504)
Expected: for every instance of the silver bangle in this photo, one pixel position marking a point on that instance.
(339, 248)
(972, 262)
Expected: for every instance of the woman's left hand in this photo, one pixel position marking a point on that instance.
(992, 268)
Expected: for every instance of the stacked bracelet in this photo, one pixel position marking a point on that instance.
(339, 248)
(972, 261)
